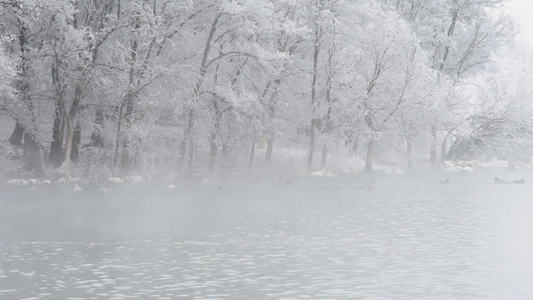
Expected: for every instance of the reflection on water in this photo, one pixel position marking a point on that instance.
(317, 238)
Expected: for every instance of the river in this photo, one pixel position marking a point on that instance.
(406, 237)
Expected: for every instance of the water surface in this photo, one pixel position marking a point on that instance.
(314, 238)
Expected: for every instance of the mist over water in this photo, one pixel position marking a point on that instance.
(407, 237)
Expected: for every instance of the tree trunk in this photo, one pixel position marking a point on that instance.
(213, 148)
(369, 156)
(182, 150)
(311, 146)
(252, 156)
(196, 94)
(443, 150)
(16, 136)
(65, 167)
(71, 116)
(125, 163)
(316, 52)
(32, 158)
(96, 135)
(191, 158)
(56, 155)
(433, 150)
(324, 155)
(409, 151)
(270, 147)
(227, 165)
(76, 143)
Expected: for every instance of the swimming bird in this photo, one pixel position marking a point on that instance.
(136, 179)
(445, 181)
(105, 188)
(115, 180)
(498, 180)
(519, 181)
(34, 182)
(369, 186)
(325, 173)
(14, 181)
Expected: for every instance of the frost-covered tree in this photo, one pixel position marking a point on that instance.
(460, 37)
(31, 24)
(499, 120)
(8, 74)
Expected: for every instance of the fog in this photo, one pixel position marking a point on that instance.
(384, 236)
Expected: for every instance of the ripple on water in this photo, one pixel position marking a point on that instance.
(399, 241)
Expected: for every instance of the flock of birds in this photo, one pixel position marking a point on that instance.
(79, 184)
(76, 183)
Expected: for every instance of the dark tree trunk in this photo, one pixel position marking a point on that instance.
(316, 53)
(55, 158)
(191, 115)
(125, 164)
(182, 150)
(96, 135)
(16, 136)
(270, 147)
(76, 144)
(32, 158)
(369, 156)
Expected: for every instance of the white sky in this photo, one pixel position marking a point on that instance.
(523, 9)
(522, 46)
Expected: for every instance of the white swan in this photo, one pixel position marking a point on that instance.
(14, 181)
(318, 173)
(115, 180)
(324, 173)
(136, 179)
